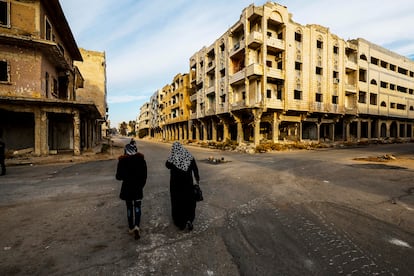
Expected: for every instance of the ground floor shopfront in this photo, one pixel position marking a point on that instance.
(51, 127)
(255, 126)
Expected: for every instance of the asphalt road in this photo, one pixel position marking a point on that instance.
(317, 212)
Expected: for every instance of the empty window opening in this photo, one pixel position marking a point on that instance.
(298, 37)
(47, 89)
(318, 97)
(335, 49)
(383, 104)
(362, 97)
(297, 94)
(279, 94)
(401, 106)
(402, 71)
(335, 99)
(4, 13)
(363, 75)
(318, 70)
(374, 60)
(298, 66)
(4, 71)
(269, 93)
(373, 99)
(48, 30)
(319, 44)
(269, 63)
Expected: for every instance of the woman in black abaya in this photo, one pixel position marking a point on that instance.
(182, 166)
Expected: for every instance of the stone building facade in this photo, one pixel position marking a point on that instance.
(39, 109)
(93, 69)
(268, 78)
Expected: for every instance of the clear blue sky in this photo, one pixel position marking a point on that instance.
(148, 42)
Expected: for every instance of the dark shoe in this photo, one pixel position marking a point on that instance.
(190, 225)
(136, 233)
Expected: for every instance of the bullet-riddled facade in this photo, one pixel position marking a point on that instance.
(268, 78)
(39, 110)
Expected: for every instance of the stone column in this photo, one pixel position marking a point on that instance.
(347, 130)
(205, 131)
(214, 130)
(275, 128)
(239, 129)
(369, 129)
(225, 131)
(318, 129)
(41, 134)
(359, 130)
(257, 118)
(76, 132)
(197, 127)
(190, 130)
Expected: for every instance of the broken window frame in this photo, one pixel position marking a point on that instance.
(48, 30)
(4, 71)
(5, 13)
(362, 97)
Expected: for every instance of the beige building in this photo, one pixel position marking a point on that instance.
(93, 69)
(176, 103)
(143, 120)
(39, 109)
(268, 78)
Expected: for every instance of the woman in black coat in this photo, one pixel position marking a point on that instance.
(132, 170)
(182, 166)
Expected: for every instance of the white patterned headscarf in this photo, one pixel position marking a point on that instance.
(180, 157)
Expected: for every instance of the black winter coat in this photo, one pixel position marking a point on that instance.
(181, 182)
(132, 170)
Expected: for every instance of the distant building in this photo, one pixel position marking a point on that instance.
(93, 69)
(39, 108)
(268, 78)
(143, 121)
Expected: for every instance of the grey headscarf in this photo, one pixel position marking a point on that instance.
(180, 157)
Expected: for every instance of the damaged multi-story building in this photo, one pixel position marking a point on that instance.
(268, 78)
(39, 105)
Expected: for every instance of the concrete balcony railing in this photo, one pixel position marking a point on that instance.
(193, 97)
(254, 11)
(238, 105)
(237, 47)
(275, 73)
(351, 64)
(275, 43)
(210, 90)
(237, 76)
(334, 108)
(254, 70)
(351, 110)
(255, 39)
(211, 65)
(351, 88)
(210, 111)
(317, 106)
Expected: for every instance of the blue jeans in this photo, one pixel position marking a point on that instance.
(133, 209)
